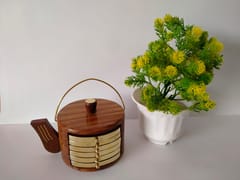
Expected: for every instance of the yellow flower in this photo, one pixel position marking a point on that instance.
(170, 71)
(197, 90)
(216, 45)
(134, 64)
(204, 97)
(167, 18)
(158, 22)
(209, 104)
(140, 62)
(201, 68)
(155, 72)
(178, 57)
(197, 32)
(146, 58)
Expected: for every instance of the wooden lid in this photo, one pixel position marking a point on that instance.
(76, 119)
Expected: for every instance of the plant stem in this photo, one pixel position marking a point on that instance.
(149, 81)
(166, 88)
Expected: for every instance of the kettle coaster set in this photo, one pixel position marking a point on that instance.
(90, 131)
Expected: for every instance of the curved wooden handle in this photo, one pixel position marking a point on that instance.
(80, 82)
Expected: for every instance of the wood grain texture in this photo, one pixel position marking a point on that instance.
(74, 119)
(47, 134)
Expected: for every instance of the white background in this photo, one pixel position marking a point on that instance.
(48, 45)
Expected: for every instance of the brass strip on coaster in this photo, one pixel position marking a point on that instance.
(87, 155)
(107, 151)
(83, 165)
(111, 145)
(82, 160)
(93, 152)
(92, 141)
(108, 161)
(97, 155)
(109, 135)
(82, 139)
(83, 143)
(109, 140)
(110, 155)
(93, 165)
(81, 149)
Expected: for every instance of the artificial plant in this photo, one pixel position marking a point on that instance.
(177, 67)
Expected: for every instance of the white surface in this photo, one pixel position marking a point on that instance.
(46, 46)
(209, 149)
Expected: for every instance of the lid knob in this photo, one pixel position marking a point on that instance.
(91, 105)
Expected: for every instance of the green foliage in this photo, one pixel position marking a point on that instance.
(177, 66)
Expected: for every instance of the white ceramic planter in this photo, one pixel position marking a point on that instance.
(158, 127)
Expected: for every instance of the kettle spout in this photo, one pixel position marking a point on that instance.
(47, 134)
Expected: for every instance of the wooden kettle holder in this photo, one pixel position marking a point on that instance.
(91, 131)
